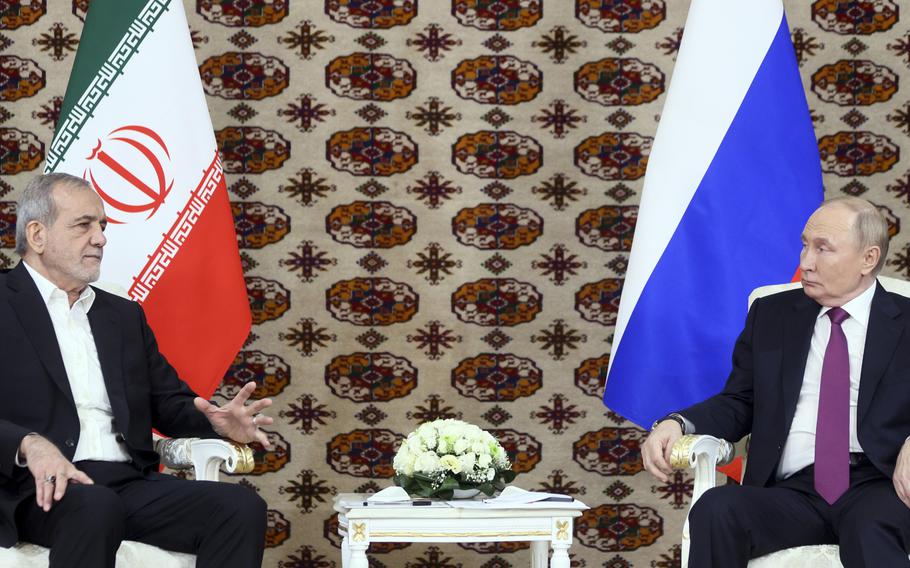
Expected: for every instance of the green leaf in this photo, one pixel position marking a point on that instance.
(422, 477)
(404, 482)
(449, 483)
(424, 487)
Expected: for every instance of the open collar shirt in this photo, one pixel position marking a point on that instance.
(97, 438)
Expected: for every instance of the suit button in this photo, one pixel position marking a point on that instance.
(120, 438)
(70, 443)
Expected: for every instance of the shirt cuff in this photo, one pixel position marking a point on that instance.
(690, 427)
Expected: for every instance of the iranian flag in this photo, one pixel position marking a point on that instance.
(134, 123)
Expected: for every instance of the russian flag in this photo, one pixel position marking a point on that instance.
(732, 177)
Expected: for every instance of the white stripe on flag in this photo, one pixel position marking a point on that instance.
(722, 48)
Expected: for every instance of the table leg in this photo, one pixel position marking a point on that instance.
(560, 555)
(539, 551)
(345, 552)
(359, 556)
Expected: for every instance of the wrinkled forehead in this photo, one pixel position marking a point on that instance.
(75, 199)
(832, 221)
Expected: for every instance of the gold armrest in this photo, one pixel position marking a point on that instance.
(245, 462)
(207, 456)
(687, 449)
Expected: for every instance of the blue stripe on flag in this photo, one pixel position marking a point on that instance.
(741, 230)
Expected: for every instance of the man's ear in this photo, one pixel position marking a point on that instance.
(36, 235)
(870, 259)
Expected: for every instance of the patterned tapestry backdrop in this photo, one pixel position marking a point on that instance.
(434, 205)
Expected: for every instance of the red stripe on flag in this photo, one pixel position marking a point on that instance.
(199, 309)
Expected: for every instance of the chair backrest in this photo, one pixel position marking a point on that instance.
(112, 288)
(890, 284)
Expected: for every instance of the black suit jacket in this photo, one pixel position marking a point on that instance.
(769, 360)
(143, 388)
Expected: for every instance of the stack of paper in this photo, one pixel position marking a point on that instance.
(517, 498)
(393, 497)
(510, 498)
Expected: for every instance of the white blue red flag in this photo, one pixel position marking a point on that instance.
(732, 177)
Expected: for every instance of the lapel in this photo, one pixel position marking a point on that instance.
(799, 324)
(106, 329)
(882, 336)
(35, 320)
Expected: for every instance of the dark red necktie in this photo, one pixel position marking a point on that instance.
(832, 431)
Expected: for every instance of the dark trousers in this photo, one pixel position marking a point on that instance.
(731, 524)
(223, 524)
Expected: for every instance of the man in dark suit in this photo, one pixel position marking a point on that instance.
(83, 385)
(821, 380)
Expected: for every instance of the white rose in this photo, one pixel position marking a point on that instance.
(451, 463)
(427, 462)
(480, 448)
(414, 444)
(406, 466)
(428, 438)
(461, 446)
(443, 447)
(467, 461)
(404, 460)
(484, 460)
(491, 473)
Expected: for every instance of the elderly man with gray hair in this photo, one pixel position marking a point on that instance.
(821, 380)
(83, 385)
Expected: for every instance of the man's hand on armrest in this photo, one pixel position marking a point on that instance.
(655, 452)
(51, 470)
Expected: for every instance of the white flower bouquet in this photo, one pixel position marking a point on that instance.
(444, 455)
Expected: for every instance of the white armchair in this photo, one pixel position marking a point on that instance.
(704, 453)
(206, 456)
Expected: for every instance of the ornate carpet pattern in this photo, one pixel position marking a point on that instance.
(435, 202)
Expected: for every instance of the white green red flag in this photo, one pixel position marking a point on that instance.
(135, 124)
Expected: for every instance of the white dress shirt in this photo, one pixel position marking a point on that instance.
(799, 449)
(97, 439)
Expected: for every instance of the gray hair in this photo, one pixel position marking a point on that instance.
(37, 204)
(870, 228)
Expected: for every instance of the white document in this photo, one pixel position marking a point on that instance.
(517, 498)
(392, 497)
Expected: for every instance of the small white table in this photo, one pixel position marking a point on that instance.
(360, 526)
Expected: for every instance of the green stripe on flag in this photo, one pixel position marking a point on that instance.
(113, 31)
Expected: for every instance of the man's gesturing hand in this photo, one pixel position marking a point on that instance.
(901, 477)
(655, 452)
(52, 471)
(237, 420)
